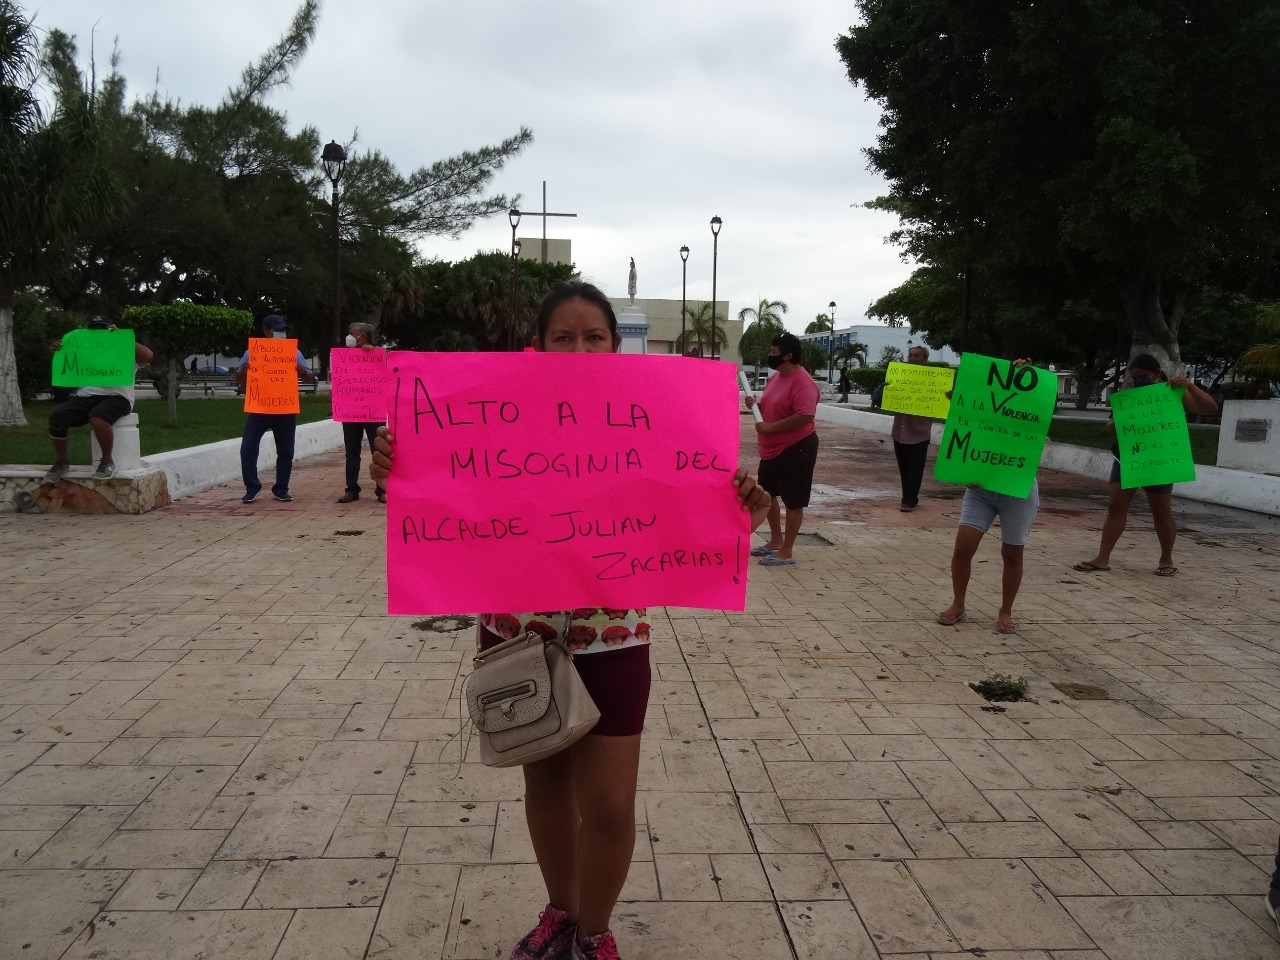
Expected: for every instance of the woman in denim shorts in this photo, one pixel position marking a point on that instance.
(979, 509)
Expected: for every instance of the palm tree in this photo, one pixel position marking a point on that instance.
(699, 331)
(853, 350)
(821, 323)
(1263, 359)
(53, 181)
(763, 323)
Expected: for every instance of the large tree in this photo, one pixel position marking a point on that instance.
(1118, 149)
(467, 305)
(54, 185)
(228, 205)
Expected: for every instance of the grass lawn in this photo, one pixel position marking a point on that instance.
(199, 421)
(1093, 433)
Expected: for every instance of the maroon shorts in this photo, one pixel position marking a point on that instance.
(618, 681)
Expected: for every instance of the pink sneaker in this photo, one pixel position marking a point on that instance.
(551, 939)
(599, 947)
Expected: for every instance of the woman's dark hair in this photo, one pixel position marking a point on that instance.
(788, 343)
(1145, 361)
(565, 290)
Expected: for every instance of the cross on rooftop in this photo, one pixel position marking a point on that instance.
(544, 214)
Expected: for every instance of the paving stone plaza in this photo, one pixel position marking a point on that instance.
(214, 743)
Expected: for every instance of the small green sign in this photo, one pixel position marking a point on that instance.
(95, 358)
(1152, 435)
(997, 425)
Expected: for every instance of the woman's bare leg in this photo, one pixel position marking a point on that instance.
(967, 540)
(775, 524)
(1166, 526)
(606, 770)
(1118, 501)
(551, 810)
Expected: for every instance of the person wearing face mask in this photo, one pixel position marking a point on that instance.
(353, 434)
(1144, 370)
(788, 446)
(256, 425)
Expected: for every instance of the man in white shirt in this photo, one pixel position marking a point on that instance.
(99, 407)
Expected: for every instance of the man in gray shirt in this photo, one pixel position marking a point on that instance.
(911, 443)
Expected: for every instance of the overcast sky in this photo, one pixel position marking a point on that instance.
(648, 119)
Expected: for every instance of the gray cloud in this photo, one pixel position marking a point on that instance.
(648, 118)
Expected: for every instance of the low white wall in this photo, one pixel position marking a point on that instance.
(1257, 455)
(193, 469)
(1229, 488)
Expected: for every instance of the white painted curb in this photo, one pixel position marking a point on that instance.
(194, 469)
(1257, 492)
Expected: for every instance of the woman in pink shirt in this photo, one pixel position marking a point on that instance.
(788, 446)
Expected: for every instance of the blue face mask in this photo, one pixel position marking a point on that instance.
(278, 334)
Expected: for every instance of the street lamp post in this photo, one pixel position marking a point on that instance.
(831, 342)
(513, 215)
(334, 161)
(684, 285)
(715, 253)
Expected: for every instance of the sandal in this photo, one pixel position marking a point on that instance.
(761, 551)
(772, 561)
(1088, 566)
(1006, 626)
(949, 619)
(1166, 571)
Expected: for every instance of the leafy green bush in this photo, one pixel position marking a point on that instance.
(36, 324)
(867, 379)
(182, 328)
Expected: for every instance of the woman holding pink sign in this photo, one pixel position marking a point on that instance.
(580, 803)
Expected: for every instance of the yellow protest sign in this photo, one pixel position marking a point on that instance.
(272, 384)
(918, 390)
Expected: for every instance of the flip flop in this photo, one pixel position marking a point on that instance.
(1006, 626)
(1088, 566)
(949, 619)
(1166, 571)
(772, 561)
(761, 551)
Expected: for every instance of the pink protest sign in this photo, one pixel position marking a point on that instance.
(548, 481)
(359, 384)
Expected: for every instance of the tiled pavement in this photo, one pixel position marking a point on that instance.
(214, 743)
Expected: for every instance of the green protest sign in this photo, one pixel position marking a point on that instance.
(1151, 431)
(95, 358)
(997, 425)
(917, 389)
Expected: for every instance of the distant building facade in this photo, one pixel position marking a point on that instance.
(663, 330)
(877, 337)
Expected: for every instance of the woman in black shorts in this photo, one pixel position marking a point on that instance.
(580, 803)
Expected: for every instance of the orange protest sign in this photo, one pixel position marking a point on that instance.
(272, 384)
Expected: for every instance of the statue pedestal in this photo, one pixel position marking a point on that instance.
(633, 327)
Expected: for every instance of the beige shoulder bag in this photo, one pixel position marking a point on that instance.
(527, 700)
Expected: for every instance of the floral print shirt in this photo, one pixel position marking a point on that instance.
(584, 630)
